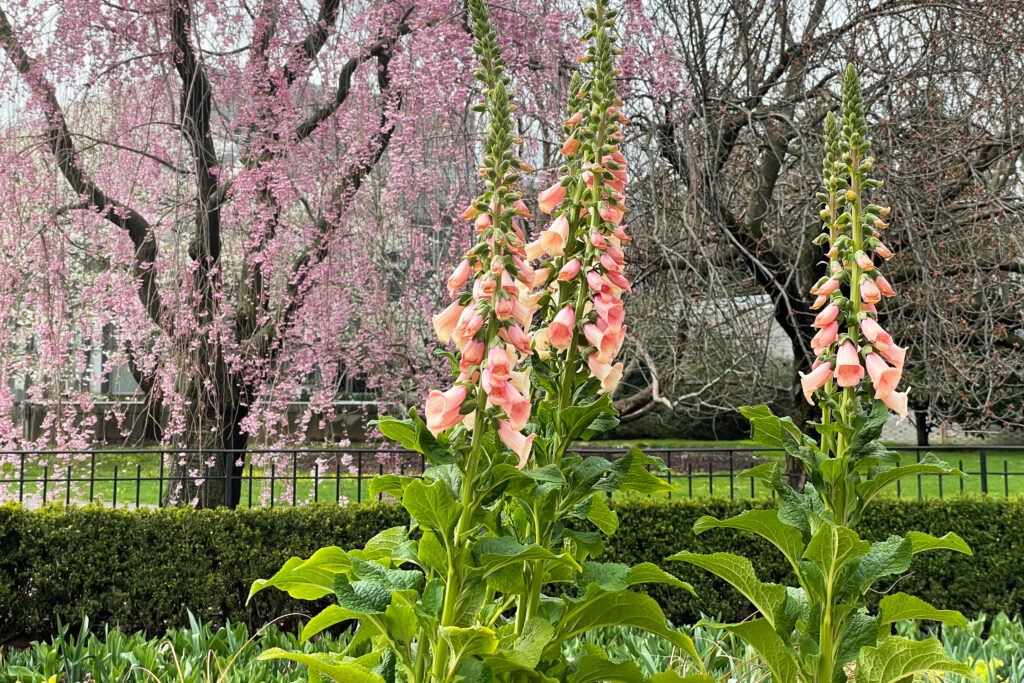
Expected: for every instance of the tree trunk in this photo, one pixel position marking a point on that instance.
(921, 422)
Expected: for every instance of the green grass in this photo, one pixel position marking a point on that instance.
(137, 474)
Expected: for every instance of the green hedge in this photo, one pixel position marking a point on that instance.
(142, 570)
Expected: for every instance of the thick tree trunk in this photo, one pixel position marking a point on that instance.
(921, 422)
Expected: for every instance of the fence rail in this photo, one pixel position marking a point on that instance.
(149, 478)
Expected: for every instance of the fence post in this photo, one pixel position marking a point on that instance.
(229, 479)
(984, 470)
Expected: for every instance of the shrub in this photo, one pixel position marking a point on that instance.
(145, 569)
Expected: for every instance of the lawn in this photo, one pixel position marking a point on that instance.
(699, 469)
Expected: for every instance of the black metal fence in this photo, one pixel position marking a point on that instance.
(150, 478)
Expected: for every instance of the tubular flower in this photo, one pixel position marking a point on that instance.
(883, 377)
(560, 331)
(516, 442)
(550, 198)
(848, 372)
(443, 409)
(815, 380)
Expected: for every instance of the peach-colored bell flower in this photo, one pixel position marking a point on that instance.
(446, 320)
(609, 375)
(514, 335)
(848, 371)
(819, 302)
(825, 336)
(864, 261)
(516, 441)
(574, 119)
(612, 214)
(869, 293)
(596, 282)
(884, 251)
(550, 198)
(521, 208)
(442, 409)
(570, 146)
(553, 240)
(598, 240)
(874, 333)
(459, 277)
(503, 308)
(620, 232)
(569, 271)
(896, 401)
(482, 222)
(830, 313)
(470, 213)
(610, 309)
(561, 328)
(473, 353)
(884, 287)
(619, 280)
(896, 355)
(883, 377)
(541, 344)
(830, 286)
(814, 380)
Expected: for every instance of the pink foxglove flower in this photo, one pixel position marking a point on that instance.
(446, 320)
(459, 277)
(874, 333)
(815, 380)
(826, 317)
(848, 372)
(550, 198)
(516, 442)
(884, 287)
(825, 337)
(896, 401)
(883, 377)
(869, 292)
(560, 331)
(443, 409)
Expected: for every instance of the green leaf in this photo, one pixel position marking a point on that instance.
(303, 583)
(602, 516)
(771, 431)
(621, 608)
(900, 607)
(929, 465)
(597, 667)
(764, 523)
(578, 419)
(361, 597)
(329, 616)
(920, 542)
(898, 660)
(432, 506)
(862, 631)
(630, 473)
(609, 576)
(891, 556)
(389, 579)
(647, 572)
(768, 598)
(325, 664)
(832, 547)
(469, 642)
(391, 545)
(527, 648)
(761, 635)
(676, 677)
(401, 622)
(414, 435)
(493, 553)
(391, 484)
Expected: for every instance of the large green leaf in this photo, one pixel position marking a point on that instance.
(303, 583)
(676, 677)
(328, 616)
(593, 667)
(900, 606)
(608, 576)
(493, 553)
(389, 579)
(469, 642)
(392, 545)
(764, 523)
(920, 542)
(432, 506)
(621, 608)
(888, 557)
(577, 419)
(929, 465)
(361, 597)
(602, 516)
(523, 653)
(761, 635)
(769, 430)
(898, 660)
(648, 572)
(414, 435)
(326, 665)
(768, 598)
(832, 547)
(630, 473)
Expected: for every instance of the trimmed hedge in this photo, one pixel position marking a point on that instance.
(143, 570)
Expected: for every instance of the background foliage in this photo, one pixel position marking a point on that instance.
(141, 570)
